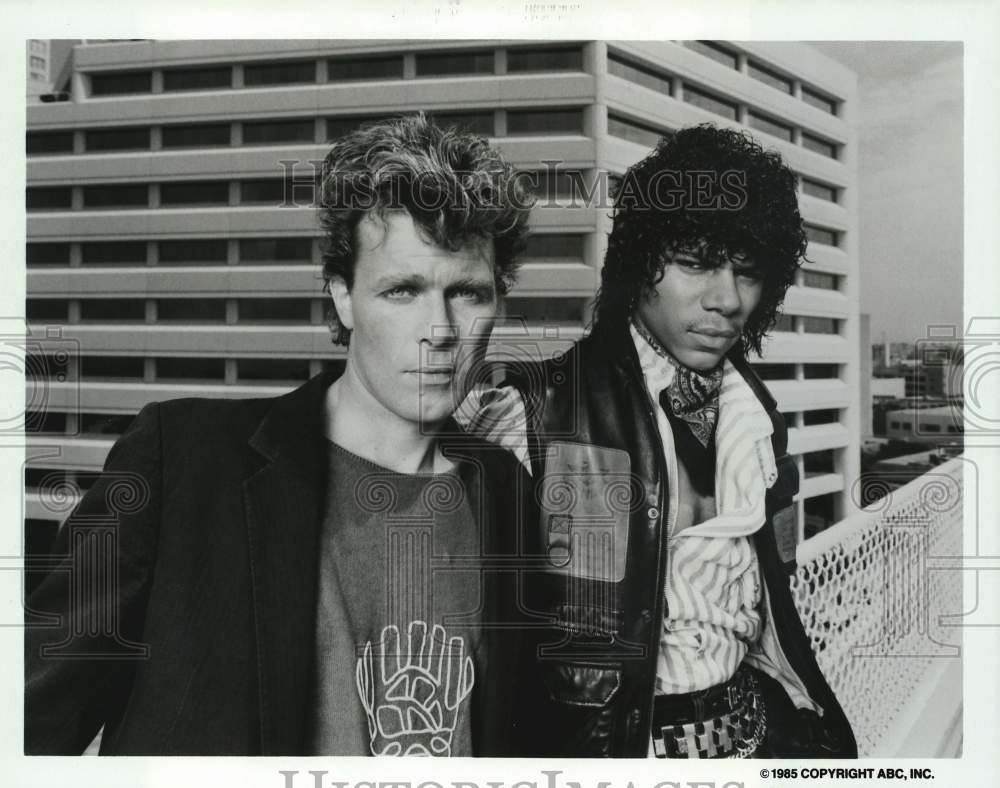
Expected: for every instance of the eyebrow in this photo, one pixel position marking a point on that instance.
(739, 262)
(399, 280)
(747, 264)
(418, 281)
(473, 282)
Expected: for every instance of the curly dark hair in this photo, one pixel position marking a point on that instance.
(753, 212)
(454, 185)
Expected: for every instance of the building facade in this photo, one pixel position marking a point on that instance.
(39, 66)
(172, 245)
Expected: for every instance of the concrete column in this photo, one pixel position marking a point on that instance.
(72, 423)
(317, 311)
(78, 87)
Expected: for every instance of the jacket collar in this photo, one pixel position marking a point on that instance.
(283, 505)
(293, 424)
(614, 340)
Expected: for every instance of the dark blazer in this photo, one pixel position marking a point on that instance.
(181, 614)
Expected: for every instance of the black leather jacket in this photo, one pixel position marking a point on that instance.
(589, 672)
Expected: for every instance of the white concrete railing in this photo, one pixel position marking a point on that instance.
(876, 592)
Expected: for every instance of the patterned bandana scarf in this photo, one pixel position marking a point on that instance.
(693, 396)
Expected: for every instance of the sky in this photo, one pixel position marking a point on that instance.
(910, 182)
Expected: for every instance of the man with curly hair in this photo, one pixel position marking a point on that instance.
(305, 574)
(665, 624)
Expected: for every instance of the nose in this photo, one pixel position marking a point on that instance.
(440, 329)
(721, 293)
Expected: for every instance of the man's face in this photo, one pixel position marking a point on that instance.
(420, 317)
(698, 312)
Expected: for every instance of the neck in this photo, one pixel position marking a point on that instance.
(356, 421)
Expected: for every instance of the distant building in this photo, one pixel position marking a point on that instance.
(933, 369)
(39, 66)
(882, 406)
(882, 392)
(926, 425)
(888, 387)
(50, 66)
(915, 378)
(887, 355)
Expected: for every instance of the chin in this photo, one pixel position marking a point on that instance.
(701, 361)
(435, 411)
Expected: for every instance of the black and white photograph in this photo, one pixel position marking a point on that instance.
(535, 397)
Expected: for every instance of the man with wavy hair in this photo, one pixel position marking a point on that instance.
(305, 574)
(667, 627)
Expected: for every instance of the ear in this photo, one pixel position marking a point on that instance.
(341, 295)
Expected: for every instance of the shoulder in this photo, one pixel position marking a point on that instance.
(214, 415)
(192, 429)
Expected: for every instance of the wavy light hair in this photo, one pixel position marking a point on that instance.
(455, 186)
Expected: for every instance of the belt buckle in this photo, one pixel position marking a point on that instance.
(735, 694)
(740, 689)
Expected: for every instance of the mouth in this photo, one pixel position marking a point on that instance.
(715, 333)
(434, 375)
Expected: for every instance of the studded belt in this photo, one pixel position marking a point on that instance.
(727, 720)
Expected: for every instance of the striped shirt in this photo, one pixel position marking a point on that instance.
(713, 580)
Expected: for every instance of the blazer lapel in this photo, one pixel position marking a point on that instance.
(284, 503)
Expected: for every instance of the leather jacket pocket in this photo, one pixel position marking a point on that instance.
(581, 701)
(582, 685)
